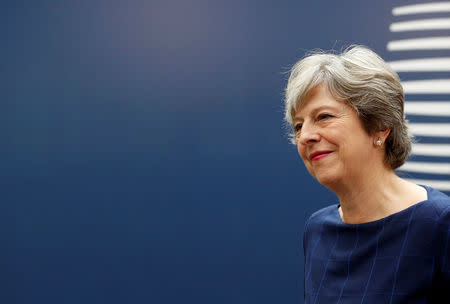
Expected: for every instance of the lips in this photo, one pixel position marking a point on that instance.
(318, 155)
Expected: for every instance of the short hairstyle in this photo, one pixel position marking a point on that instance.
(364, 81)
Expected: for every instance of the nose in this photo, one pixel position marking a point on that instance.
(308, 134)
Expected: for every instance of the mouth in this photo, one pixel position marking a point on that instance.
(318, 155)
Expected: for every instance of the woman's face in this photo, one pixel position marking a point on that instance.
(331, 139)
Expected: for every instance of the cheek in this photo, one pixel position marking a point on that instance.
(336, 136)
(301, 151)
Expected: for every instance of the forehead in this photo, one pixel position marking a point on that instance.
(316, 99)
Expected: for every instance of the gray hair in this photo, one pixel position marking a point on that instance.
(366, 82)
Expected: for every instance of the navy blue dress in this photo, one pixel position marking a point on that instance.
(403, 258)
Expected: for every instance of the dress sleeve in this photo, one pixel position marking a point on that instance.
(445, 226)
(305, 245)
(442, 274)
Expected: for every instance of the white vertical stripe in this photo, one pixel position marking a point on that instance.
(421, 65)
(431, 43)
(430, 129)
(421, 25)
(425, 167)
(432, 7)
(428, 108)
(431, 86)
(431, 149)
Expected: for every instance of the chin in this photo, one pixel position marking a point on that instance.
(327, 179)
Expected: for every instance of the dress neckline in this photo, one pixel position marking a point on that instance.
(406, 210)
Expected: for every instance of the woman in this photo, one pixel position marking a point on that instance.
(387, 241)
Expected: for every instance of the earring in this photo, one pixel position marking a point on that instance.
(379, 142)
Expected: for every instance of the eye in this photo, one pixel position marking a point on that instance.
(324, 116)
(297, 127)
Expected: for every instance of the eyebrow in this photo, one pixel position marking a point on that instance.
(314, 112)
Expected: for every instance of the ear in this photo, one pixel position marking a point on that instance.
(381, 135)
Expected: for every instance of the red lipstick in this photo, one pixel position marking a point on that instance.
(318, 155)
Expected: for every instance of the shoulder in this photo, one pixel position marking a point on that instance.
(441, 205)
(441, 236)
(323, 215)
(442, 200)
(316, 225)
(322, 218)
(437, 205)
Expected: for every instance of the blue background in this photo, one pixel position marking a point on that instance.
(144, 156)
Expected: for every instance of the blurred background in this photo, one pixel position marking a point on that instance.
(144, 158)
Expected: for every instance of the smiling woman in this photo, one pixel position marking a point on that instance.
(322, 126)
(347, 117)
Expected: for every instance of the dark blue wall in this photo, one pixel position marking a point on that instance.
(144, 157)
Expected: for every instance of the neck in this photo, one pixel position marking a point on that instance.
(381, 194)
